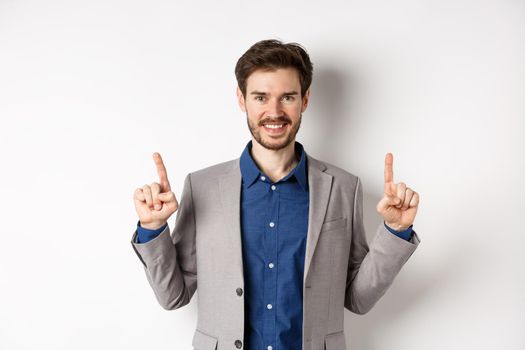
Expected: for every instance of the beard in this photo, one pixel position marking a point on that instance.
(274, 144)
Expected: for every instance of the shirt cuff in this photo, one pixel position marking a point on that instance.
(405, 234)
(145, 234)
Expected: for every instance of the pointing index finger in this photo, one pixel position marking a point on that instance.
(389, 172)
(163, 175)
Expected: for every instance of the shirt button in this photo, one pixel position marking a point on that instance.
(269, 347)
(238, 344)
(263, 178)
(272, 224)
(269, 306)
(239, 291)
(273, 187)
(270, 265)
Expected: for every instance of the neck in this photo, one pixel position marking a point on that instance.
(275, 164)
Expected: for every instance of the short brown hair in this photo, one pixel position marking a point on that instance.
(270, 55)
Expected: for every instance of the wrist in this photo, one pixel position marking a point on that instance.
(152, 225)
(396, 227)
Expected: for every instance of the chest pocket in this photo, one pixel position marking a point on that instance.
(335, 341)
(202, 341)
(333, 224)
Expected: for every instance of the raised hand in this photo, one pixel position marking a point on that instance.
(156, 202)
(398, 207)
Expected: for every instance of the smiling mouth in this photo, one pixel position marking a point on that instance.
(274, 128)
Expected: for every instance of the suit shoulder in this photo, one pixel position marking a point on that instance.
(336, 171)
(214, 170)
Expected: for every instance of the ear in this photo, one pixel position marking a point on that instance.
(306, 98)
(240, 99)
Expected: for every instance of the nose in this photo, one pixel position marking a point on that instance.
(274, 108)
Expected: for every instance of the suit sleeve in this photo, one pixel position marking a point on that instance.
(372, 269)
(170, 260)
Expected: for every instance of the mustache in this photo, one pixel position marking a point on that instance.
(276, 121)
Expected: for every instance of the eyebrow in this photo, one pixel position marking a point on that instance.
(293, 92)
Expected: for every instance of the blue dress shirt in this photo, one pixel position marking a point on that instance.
(274, 224)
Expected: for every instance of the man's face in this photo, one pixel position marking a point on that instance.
(273, 106)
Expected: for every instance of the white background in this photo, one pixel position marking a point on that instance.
(89, 90)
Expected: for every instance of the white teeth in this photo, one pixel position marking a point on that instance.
(274, 126)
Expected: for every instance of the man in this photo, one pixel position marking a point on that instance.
(274, 239)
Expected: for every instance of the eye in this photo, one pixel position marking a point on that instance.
(259, 98)
(288, 98)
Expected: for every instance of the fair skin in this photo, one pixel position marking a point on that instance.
(274, 97)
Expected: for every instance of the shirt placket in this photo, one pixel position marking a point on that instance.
(270, 269)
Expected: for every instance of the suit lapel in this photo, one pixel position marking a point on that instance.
(319, 184)
(230, 195)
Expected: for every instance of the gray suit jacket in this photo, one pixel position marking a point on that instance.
(204, 249)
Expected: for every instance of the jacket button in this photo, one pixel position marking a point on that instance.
(239, 291)
(238, 344)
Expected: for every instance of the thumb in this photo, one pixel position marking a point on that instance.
(388, 201)
(166, 196)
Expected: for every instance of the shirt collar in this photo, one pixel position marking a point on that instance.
(250, 171)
